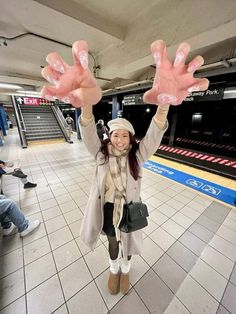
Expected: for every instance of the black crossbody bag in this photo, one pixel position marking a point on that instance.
(134, 217)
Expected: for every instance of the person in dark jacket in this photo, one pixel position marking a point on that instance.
(102, 130)
(69, 122)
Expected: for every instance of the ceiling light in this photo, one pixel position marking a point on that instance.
(230, 91)
(9, 86)
(27, 92)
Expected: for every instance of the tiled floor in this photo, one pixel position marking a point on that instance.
(188, 260)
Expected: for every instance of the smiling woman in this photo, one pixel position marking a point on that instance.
(119, 158)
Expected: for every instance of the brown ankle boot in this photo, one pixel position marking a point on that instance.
(124, 283)
(113, 283)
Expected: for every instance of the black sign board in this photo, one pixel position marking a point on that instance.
(208, 95)
(135, 99)
(61, 103)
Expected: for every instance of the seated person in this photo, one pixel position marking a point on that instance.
(13, 220)
(12, 168)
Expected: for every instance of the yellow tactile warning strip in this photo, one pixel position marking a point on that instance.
(224, 182)
(46, 142)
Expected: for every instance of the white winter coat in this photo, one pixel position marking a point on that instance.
(92, 224)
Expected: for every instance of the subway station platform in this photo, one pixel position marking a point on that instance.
(189, 253)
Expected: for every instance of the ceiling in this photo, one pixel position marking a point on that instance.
(119, 34)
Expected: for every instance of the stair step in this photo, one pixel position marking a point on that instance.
(41, 124)
(43, 133)
(38, 137)
(42, 129)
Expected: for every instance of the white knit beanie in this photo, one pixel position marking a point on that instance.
(120, 124)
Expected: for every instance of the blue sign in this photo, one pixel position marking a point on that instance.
(214, 190)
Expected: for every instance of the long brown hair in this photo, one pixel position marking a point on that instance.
(132, 158)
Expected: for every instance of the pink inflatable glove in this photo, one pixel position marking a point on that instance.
(173, 82)
(72, 84)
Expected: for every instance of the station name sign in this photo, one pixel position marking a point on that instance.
(134, 99)
(207, 95)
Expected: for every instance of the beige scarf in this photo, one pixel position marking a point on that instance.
(118, 165)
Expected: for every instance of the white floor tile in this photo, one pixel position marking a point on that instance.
(208, 278)
(39, 271)
(11, 262)
(151, 251)
(81, 277)
(218, 261)
(88, 300)
(163, 239)
(195, 298)
(99, 254)
(66, 254)
(12, 288)
(17, 306)
(42, 300)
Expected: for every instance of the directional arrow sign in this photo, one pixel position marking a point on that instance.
(20, 100)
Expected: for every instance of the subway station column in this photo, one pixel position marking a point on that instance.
(115, 107)
(172, 129)
(77, 114)
(3, 121)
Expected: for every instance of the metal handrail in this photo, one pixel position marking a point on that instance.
(61, 117)
(62, 121)
(22, 119)
(19, 122)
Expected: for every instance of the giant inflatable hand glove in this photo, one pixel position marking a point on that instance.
(76, 85)
(72, 84)
(174, 82)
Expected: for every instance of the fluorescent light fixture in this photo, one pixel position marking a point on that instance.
(9, 86)
(25, 92)
(230, 91)
(26, 95)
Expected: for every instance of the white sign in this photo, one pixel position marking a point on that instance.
(211, 189)
(205, 187)
(158, 169)
(195, 183)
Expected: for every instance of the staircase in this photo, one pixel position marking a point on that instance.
(40, 123)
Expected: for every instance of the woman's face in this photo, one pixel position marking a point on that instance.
(120, 139)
